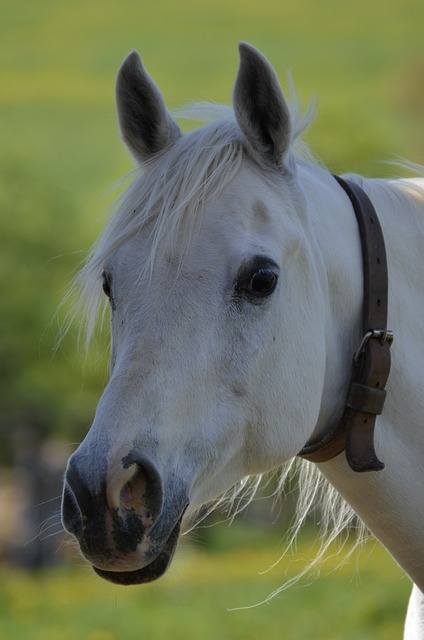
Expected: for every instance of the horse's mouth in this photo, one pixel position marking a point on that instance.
(151, 571)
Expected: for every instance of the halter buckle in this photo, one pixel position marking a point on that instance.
(384, 335)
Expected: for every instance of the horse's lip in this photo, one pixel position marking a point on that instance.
(151, 571)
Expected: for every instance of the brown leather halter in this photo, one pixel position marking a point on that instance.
(354, 433)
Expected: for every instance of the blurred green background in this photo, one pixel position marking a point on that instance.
(60, 157)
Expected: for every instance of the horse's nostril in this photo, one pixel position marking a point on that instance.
(135, 487)
(78, 501)
(133, 494)
(71, 513)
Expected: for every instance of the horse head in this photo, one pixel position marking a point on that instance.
(218, 320)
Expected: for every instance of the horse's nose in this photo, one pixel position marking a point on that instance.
(130, 486)
(76, 500)
(134, 484)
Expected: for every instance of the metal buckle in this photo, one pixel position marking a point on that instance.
(384, 335)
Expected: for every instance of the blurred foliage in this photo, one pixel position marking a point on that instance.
(196, 597)
(36, 252)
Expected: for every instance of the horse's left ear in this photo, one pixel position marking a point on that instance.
(146, 126)
(261, 108)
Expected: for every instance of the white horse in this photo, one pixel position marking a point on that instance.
(233, 267)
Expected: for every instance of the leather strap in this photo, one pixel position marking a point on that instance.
(354, 433)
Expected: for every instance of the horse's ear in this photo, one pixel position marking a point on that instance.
(146, 126)
(261, 108)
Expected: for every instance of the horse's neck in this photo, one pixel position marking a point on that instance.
(390, 502)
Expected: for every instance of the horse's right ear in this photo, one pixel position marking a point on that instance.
(145, 124)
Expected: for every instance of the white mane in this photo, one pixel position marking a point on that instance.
(165, 199)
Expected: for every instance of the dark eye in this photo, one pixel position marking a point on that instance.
(257, 278)
(262, 282)
(106, 284)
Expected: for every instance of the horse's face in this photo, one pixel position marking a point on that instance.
(211, 379)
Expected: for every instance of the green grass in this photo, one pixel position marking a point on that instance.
(364, 599)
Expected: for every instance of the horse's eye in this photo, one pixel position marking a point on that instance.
(106, 284)
(257, 279)
(262, 282)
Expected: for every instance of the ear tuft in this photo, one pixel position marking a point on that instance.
(261, 108)
(146, 126)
